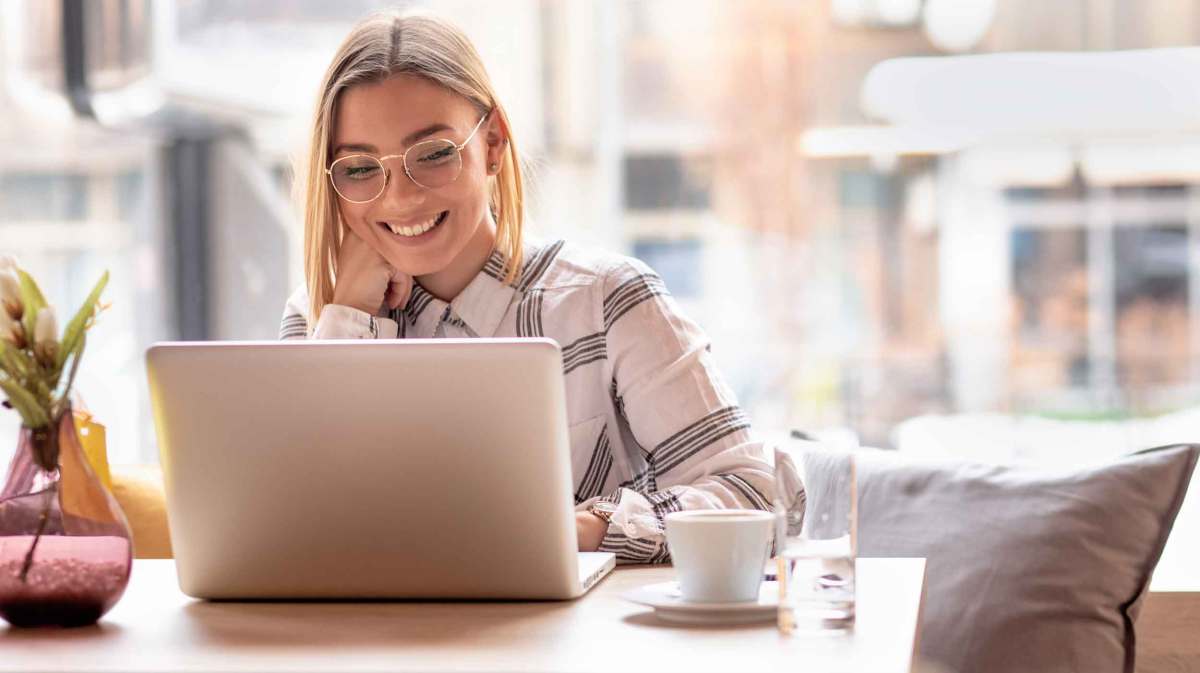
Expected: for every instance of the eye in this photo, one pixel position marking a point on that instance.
(361, 171)
(357, 168)
(439, 155)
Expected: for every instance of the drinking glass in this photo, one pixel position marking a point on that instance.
(816, 507)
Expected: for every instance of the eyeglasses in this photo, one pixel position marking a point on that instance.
(362, 178)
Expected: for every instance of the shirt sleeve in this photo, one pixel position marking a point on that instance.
(336, 322)
(699, 450)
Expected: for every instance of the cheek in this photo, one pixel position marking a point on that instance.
(351, 214)
(356, 219)
(473, 195)
(466, 200)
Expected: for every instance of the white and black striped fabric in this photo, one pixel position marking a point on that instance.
(653, 427)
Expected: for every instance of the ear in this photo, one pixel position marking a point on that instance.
(496, 136)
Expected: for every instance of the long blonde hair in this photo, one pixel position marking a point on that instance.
(379, 47)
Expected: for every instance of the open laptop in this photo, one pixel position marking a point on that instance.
(369, 469)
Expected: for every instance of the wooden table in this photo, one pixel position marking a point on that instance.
(155, 627)
(1170, 616)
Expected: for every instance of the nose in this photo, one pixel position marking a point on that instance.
(401, 193)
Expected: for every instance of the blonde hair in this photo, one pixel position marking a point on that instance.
(379, 47)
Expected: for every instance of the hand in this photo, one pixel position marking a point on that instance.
(590, 529)
(365, 280)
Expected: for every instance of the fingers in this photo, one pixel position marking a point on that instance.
(362, 256)
(399, 289)
(363, 276)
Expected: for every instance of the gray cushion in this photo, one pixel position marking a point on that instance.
(1028, 569)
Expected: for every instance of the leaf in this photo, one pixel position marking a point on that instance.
(7, 365)
(66, 391)
(40, 390)
(14, 361)
(33, 415)
(30, 289)
(31, 297)
(73, 335)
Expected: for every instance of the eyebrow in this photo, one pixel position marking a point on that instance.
(408, 139)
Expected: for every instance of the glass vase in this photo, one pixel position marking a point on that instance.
(65, 547)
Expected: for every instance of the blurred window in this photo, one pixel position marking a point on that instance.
(1150, 191)
(677, 261)
(1071, 191)
(1153, 330)
(666, 182)
(864, 189)
(1050, 284)
(131, 195)
(43, 197)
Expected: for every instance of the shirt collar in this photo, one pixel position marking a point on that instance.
(481, 305)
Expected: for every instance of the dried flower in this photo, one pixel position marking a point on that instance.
(45, 337)
(11, 330)
(37, 365)
(46, 327)
(10, 294)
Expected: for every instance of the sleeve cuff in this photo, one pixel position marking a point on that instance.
(632, 549)
(344, 322)
(635, 533)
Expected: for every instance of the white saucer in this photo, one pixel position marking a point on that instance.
(669, 605)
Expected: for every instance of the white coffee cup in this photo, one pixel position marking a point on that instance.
(719, 554)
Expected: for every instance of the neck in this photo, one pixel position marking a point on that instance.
(447, 283)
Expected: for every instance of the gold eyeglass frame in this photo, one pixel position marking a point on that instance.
(387, 174)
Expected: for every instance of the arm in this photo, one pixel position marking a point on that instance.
(695, 437)
(336, 322)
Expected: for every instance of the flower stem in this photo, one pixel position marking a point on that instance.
(41, 528)
(45, 444)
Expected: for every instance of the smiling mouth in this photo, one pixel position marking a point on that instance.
(413, 231)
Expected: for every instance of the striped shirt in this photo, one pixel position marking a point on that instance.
(653, 428)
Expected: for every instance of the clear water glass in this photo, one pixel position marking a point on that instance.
(816, 507)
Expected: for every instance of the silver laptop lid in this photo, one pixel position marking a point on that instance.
(388, 469)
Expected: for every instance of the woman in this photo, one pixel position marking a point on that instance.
(413, 173)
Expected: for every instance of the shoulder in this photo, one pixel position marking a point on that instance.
(294, 323)
(297, 303)
(577, 265)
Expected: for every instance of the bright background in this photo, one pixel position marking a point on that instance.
(960, 251)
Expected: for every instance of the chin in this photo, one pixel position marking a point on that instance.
(414, 265)
(424, 262)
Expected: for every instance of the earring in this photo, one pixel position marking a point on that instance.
(493, 167)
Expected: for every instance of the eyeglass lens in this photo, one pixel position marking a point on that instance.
(430, 164)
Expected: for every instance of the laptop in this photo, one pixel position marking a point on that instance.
(398, 469)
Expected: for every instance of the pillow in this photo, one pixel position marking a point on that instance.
(139, 491)
(1027, 569)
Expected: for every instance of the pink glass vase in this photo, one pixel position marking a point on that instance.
(65, 546)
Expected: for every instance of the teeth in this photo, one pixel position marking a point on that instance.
(416, 230)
